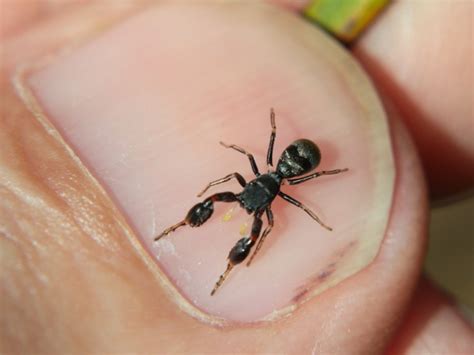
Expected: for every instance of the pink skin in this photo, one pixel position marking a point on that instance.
(71, 280)
(421, 56)
(163, 125)
(14, 18)
(432, 315)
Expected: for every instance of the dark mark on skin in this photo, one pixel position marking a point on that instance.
(346, 249)
(300, 295)
(323, 275)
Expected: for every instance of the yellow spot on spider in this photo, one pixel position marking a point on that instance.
(244, 229)
(228, 215)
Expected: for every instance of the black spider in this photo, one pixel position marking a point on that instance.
(299, 158)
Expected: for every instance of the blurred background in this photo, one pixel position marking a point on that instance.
(451, 251)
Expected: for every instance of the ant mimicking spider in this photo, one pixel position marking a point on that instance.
(300, 157)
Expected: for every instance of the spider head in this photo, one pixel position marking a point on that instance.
(299, 158)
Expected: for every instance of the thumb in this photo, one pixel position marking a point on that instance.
(146, 126)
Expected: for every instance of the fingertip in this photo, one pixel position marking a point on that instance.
(151, 166)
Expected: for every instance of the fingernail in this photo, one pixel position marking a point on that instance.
(145, 104)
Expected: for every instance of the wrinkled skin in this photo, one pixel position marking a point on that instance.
(72, 282)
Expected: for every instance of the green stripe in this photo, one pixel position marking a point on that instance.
(345, 19)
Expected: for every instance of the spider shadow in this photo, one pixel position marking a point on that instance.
(329, 155)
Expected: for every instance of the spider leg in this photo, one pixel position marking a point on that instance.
(304, 208)
(241, 250)
(315, 175)
(200, 212)
(253, 164)
(226, 178)
(266, 231)
(272, 140)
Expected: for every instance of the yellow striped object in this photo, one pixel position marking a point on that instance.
(345, 19)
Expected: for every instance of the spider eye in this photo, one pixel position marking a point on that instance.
(298, 158)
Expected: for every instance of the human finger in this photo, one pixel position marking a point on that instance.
(100, 232)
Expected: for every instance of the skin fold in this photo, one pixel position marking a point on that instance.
(72, 279)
